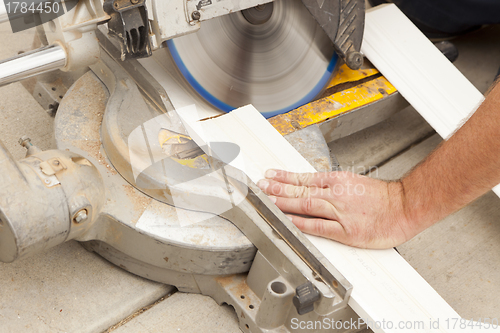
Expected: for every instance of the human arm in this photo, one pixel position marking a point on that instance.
(386, 214)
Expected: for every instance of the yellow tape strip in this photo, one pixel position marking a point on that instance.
(333, 105)
(346, 74)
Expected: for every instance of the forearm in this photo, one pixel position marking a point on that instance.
(460, 170)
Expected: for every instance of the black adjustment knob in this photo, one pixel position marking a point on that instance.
(305, 297)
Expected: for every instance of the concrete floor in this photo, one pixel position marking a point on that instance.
(67, 289)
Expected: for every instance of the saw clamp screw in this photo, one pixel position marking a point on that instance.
(196, 15)
(25, 141)
(354, 60)
(81, 216)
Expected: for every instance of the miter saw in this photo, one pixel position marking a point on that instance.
(127, 180)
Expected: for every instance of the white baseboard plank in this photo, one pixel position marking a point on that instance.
(385, 287)
(442, 95)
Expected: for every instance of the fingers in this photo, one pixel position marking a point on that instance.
(307, 206)
(319, 227)
(325, 225)
(291, 191)
(298, 179)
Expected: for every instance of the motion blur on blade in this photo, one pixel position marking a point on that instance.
(274, 56)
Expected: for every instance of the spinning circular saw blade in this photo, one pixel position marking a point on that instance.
(274, 56)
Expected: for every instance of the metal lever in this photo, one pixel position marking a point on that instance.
(32, 63)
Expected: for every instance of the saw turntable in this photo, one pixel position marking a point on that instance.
(130, 183)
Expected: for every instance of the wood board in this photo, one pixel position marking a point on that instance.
(386, 289)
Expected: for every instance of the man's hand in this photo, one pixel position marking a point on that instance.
(370, 213)
(349, 208)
